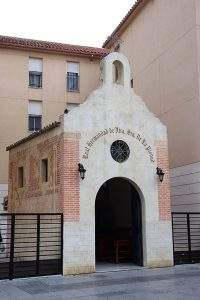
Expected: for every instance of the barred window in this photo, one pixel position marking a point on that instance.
(72, 77)
(35, 79)
(35, 115)
(35, 72)
(34, 123)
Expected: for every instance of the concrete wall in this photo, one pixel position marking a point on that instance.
(161, 45)
(15, 93)
(185, 188)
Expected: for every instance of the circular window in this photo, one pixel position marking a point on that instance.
(119, 151)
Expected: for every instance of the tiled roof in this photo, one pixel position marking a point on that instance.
(133, 11)
(34, 134)
(44, 46)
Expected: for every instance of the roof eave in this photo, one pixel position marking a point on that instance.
(33, 135)
(133, 12)
(62, 52)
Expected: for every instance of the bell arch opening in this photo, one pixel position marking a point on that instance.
(118, 72)
(118, 223)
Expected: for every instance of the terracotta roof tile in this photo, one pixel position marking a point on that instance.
(44, 46)
(34, 134)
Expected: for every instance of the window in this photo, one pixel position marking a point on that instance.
(118, 72)
(35, 72)
(35, 115)
(72, 77)
(45, 170)
(20, 177)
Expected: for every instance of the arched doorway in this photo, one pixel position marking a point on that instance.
(118, 223)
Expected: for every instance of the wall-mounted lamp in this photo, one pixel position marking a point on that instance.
(81, 170)
(160, 174)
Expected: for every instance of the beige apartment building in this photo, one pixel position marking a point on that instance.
(38, 81)
(161, 39)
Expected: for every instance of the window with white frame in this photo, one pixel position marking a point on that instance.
(35, 72)
(34, 115)
(72, 76)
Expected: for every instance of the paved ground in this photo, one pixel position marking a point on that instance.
(180, 282)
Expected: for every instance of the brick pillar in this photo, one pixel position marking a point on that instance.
(69, 177)
(164, 203)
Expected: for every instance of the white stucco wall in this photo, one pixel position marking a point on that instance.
(110, 107)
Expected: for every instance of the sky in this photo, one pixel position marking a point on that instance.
(82, 22)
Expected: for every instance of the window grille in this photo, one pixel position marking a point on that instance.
(35, 72)
(72, 76)
(35, 79)
(35, 115)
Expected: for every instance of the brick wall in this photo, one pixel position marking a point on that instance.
(69, 176)
(61, 192)
(164, 202)
(35, 195)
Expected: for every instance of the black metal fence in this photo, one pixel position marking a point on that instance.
(186, 237)
(30, 245)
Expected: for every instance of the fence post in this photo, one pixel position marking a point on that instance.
(12, 245)
(189, 237)
(38, 246)
(173, 240)
(62, 232)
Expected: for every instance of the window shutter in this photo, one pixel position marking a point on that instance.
(35, 64)
(73, 67)
(35, 108)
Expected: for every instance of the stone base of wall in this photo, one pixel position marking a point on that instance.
(160, 264)
(78, 270)
(91, 269)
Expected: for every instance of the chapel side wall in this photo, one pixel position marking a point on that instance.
(36, 196)
(161, 45)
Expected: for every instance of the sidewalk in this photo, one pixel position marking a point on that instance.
(180, 282)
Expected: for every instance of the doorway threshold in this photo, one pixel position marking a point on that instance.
(112, 267)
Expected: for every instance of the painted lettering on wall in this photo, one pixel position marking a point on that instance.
(129, 132)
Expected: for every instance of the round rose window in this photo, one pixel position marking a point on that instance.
(119, 151)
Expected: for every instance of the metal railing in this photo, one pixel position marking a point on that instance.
(186, 237)
(30, 245)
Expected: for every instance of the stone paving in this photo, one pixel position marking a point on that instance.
(180, 282)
